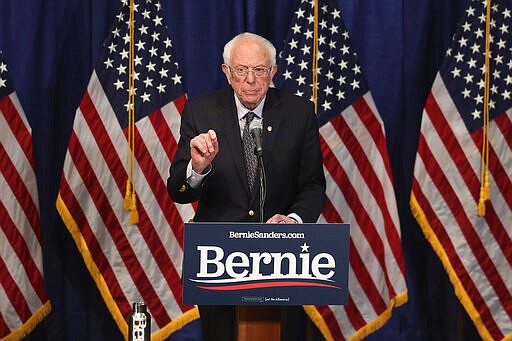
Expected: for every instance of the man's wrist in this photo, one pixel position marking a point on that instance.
(295, 217)
(195, 179)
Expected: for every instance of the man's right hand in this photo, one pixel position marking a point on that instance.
(203, 149)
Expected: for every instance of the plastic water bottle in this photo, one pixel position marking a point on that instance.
(139, 323)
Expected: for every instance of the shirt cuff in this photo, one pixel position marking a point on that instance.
(195, 179)
(295, 217)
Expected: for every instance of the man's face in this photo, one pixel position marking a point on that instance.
(249, 88)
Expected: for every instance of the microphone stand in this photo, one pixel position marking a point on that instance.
(263, 185)
(255, 127)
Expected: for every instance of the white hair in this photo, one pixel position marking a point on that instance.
(271, 50)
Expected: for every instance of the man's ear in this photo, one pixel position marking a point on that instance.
(225, 69)
(274, 70)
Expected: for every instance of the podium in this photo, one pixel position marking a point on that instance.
(262, 267)
(256, 323)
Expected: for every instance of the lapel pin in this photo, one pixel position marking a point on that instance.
(269, 128)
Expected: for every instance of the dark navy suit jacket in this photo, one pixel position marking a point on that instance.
(295, 182)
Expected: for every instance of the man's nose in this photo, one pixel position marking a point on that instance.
(250, 76)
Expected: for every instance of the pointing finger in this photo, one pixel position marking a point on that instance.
(213, 137)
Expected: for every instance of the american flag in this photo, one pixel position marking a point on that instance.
(130, 262)
(360, 186)
(475, 250)
(23, 299)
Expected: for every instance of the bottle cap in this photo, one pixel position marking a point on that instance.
(139, 307)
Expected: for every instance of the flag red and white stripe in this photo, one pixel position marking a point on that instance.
(23, 299)
(360, 192)
(444, 198)
(357, 168)
(139, 262)
(475, 250)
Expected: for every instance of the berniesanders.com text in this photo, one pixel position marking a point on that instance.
(265, 235)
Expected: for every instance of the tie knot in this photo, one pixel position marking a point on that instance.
(249, 116)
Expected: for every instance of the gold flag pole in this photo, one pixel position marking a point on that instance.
(314, 84)
(485, 191)
(130, 199)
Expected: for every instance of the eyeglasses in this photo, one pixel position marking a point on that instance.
(243, 71)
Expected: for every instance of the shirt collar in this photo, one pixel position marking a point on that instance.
(242, 110)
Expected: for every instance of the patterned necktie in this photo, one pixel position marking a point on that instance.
(251, 163)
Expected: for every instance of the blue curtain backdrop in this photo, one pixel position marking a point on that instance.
(52, 46)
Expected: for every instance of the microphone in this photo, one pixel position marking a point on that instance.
(255, 128)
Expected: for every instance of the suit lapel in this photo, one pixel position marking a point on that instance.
(229, 123)
(272, 118)
(228, 118)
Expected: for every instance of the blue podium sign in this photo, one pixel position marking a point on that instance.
(265, 264)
